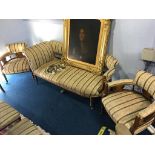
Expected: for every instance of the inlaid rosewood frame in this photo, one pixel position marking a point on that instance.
(101, 48)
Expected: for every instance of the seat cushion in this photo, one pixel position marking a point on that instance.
(124, 106)
(17, 65)
(7, 115)
(74, 79)
(24, 127)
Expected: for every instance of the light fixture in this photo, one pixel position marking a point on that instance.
(148, 56)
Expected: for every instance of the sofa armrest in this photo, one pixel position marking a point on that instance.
(109, 73)
(4, 55)
(147, 111)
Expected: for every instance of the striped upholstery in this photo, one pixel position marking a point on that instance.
(110, 64)
(16, 65)
(110, 61)
(57, 48)
(39, 54)
(7, 115)
(149, 110)
(124, 106)
(146, 81)
(74, 79)
(24, 127)
(16, 47)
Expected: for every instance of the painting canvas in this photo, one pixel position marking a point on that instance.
(84, 36)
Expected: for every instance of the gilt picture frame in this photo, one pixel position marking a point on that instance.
(85, 43)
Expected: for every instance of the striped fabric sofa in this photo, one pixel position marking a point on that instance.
(135, 110)
(13, 61)
(13, 123)
(77, 80)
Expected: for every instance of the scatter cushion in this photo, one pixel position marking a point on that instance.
(146, 81)
(16, 65)
(124, 106)
(24, 127)
(74, 79)
(7, 115)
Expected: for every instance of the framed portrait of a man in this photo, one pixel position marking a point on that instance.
(85, 43)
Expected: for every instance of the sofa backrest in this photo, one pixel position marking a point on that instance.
(110, 64)
(16, 47)
(39, 54)
(57, 48)
(146, 81)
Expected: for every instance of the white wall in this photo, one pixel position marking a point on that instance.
(12, 31)
(29, 31)
(127, 40)
(45, 30)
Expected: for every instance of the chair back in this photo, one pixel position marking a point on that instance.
(146, 81)
(16, 47)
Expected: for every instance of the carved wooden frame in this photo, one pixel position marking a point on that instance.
(101, 49)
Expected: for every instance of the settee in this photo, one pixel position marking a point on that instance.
(79, 81)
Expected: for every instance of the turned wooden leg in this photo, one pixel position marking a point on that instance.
(2, 88)
(36, 79)
(5, 78)
(62, 91)
(91, 104)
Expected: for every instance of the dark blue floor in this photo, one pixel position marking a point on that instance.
(57, 113)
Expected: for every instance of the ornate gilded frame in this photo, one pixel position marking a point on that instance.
(101, 49)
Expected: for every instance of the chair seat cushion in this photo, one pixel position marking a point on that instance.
(24, 127)
(74, 79)
(124, 106)
(7, 115)
(16, 65)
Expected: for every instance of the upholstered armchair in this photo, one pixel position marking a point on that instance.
(133, 109)
(14, 61)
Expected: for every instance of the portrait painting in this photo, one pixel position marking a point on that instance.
(85, 43)
(84, 36)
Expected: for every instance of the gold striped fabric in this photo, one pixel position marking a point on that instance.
(16, 65)
(39, 54)
(148, 111)
(24, 127)
(124, 106)
(74, 79)
(16, 47)
(111, 62)
(146, 81)
(7, 115)
(57, 48)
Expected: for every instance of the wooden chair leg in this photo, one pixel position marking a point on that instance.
(2, 88)
(91, 103)
(36, 79)
(5, 78)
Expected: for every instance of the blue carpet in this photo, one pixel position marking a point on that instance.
(57, 113)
